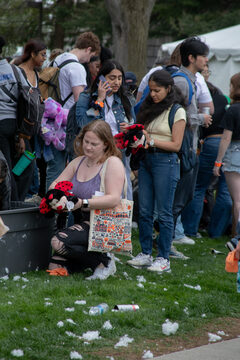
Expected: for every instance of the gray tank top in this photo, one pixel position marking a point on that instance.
(86, 189)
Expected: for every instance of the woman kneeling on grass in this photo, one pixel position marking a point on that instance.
(159, 171)
(94, 145)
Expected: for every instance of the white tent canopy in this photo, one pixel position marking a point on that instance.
(224, 55)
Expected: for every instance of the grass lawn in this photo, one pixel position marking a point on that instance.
(31, 307)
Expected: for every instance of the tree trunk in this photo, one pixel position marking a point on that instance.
(130, 25)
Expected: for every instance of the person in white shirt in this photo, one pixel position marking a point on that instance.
(72, 81)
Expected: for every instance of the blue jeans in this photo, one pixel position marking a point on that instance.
(157, 180)
(222, 211)
(179, 230)
(55, 166)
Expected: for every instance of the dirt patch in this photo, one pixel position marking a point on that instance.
(166, 345)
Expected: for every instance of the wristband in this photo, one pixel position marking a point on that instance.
(100, 103)
(217, 164)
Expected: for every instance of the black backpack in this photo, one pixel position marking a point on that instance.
(72, 130)
(30, 108)
(187, 155)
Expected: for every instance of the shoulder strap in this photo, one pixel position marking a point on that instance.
(190, 88)
(102, 184)
(3, 87)
(67, 62)
(8, 93)
(63, 102)
(16, 74)
(172, 113)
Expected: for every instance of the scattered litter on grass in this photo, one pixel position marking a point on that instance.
(47, 299)
(164, 289)
(80, 302)
(23, 287)
(124, 341)
(91, 335)
(25, 279)
(17, 353)
(71, 334)
(216, 252)
(147, 354)
(163, 309)
(117, 260)
(186, 310)
(70, 309)
(16, 278)
(110, 357)
(107, 325)
(9, 303)
(176, 302)
(47, 303)
(125, 274)
(222, 333)
(197, 287)
(169, 328)
(213, 337)
(71, 321)
(75, 355)
(4, 278)
(203, 315)
(85, 312)
(140, 285)
(141, 278)
(25, 329)
(60, 324)
(185, 265)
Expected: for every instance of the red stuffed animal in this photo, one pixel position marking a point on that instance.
(134, 141)
(59, 200)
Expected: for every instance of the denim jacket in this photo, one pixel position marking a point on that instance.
(85, 114)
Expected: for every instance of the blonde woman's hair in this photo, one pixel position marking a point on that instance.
(103, 131)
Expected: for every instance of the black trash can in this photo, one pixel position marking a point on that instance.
(26, 246)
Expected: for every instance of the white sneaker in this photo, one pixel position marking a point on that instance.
(184, 240)
(160, 265)
(177, 254)
(141, 260)
(102, 273)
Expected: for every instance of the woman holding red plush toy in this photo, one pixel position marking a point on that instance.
(159, 170)
(94, 147)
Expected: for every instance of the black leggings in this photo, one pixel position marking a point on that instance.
(73, 247)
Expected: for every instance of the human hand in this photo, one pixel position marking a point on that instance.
(207, 120)
(60, 205)
(147, 136)
(78, 205)
(141, 141)
(123, 127)
(217, 168)
(20, 146)
(103, 88)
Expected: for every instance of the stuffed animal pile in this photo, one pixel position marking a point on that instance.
(53, 126)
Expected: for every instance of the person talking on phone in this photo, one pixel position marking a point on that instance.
(107, 99)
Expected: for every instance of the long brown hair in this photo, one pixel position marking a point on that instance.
(235, 91)
(103, 131)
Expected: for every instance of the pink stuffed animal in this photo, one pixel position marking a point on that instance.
(53, 126)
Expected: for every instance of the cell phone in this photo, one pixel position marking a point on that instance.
(103, 79)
